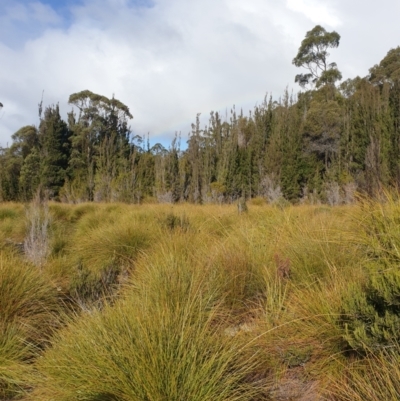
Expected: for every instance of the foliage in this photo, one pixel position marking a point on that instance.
(374, 379)
(371, 310)
(388, 70)
(313, 55)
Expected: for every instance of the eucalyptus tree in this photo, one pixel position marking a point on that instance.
(388, 70)
(313, 55)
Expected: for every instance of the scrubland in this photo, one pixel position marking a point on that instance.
(114, 302)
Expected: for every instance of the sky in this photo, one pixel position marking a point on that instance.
(168, 60)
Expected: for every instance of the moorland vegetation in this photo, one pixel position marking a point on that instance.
(198, 302)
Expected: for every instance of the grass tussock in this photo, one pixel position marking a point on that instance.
(27, 299)
(376, 378)
(160, 341)
(29, 313)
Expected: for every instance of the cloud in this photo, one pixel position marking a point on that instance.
(167, 60)
(318, 12)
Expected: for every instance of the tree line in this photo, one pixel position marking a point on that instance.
(321, 145)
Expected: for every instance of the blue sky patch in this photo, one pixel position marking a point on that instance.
(24, 20)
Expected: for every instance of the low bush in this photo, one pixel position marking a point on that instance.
(173, 222)
(371, 307)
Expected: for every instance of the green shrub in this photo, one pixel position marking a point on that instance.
(173, 222)
(371, 309)
(371, 312)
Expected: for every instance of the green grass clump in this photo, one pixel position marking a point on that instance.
(161, 341)
(238, 277)
(103, 249)
(12, 224)
(316, 242)
(376, 378)
(27, 299)
(174, 222)
(29, 312)
(8, 213)
(15, 371)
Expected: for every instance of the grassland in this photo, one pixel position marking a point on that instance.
(184, 302)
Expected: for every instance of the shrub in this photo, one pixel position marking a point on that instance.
(371, 309)
(173, 222)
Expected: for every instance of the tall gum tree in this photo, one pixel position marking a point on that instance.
(313, 55)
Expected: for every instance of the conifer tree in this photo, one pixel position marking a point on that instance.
(54, 150)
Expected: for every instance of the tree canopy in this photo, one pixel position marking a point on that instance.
(313, 55)
(388, 70)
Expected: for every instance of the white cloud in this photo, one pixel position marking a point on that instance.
(318, 12)
(170, 60)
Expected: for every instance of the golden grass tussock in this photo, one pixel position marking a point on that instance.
(27, 299)
(29, 313)
(162, 340)
(15, 370)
